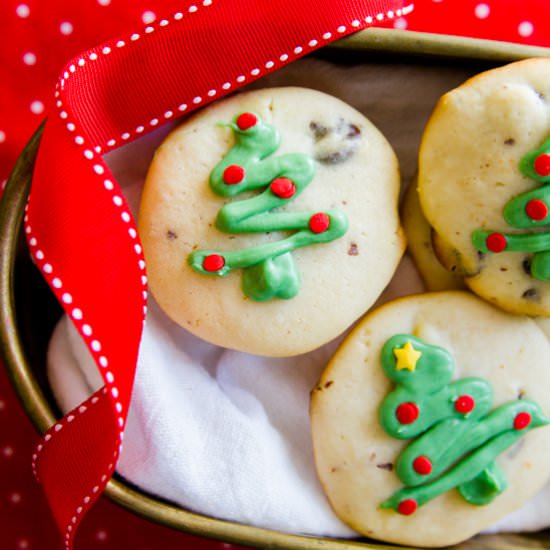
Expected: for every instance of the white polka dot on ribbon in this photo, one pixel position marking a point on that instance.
(482, 11)
(23, 11)
(148, 17)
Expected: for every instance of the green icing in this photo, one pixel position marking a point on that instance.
(461, 445)
(515, 213)
(269, 270)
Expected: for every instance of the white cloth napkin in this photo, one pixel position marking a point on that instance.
(217, 431)
(225, 433)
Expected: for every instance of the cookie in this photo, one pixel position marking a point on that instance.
(435, 261)
(420, 246)
(484, 166)
(431, 421)
(269, 220)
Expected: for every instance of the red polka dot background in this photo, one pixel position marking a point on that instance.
(37, 38)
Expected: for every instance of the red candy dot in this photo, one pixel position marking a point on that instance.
(496, 242)
(422, 465)
(407, 507)
(246, 121)
(319, 223)
(542, 165)
(522, 420)
(283, 187)
(536, 209)
(233, 174)
(407, 413)
(464, 404)
(213, 262)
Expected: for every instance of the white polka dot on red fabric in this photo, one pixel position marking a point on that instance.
(2, 405)
(103, 2)
(525, 29)
(66, 28)
(8, 451)
(482, 11)
(148, 16)
(37, 107)
(2, 136)
(23, 544)
(101, 535)
(400, 23)
(15, 498)
(29, 58)
(23, 11)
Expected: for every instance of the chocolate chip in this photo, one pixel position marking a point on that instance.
(387, 466)
(521, 394)
(334, 144)
(526, 265)
(510, 141)
(353, 131)
(335, 157)
(480, 255)
(531, 294)
(170, 235)
(319, 131)
(353, 250)
(329, 383)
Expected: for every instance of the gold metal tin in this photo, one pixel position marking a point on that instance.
(28, 312)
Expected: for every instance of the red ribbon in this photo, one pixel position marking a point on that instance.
(79, 228)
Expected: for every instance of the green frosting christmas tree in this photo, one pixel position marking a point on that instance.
(526, 211)
(269, 270)
(456, 436)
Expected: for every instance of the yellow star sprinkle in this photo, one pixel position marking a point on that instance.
(407, 357)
